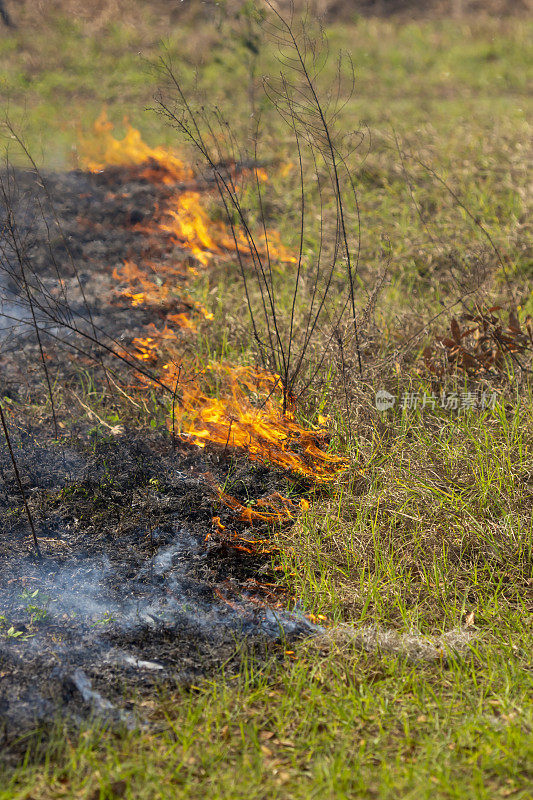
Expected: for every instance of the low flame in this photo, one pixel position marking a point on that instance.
(272, 509)
(246, 412)
(189, 225)
(248, 416)
(102, 150)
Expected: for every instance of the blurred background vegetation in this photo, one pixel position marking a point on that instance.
(447, 80)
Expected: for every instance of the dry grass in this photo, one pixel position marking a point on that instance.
(435, 522)
(429, 537)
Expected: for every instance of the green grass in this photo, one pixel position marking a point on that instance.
(436, 523)
(454, 93)
(333, 723)
(433, 524)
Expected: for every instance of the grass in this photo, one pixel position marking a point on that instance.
(435, 525)
(454, 93)
(330, 722)
(431, 530)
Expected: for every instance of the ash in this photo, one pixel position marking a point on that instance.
(135, 587)
(132, 590)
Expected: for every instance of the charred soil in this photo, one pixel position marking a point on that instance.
(136, 585)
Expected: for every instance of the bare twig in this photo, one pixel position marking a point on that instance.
(19, 482)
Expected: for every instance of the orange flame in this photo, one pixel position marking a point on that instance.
(247, 414)
(237, 420)
(104, 150)
(274, 509)
(190, 226)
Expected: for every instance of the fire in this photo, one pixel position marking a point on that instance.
(103, 150)
(187, 222)
(273, 509)
(248, 416)
(189, 225)
(245, 412)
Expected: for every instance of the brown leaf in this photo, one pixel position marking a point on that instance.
(449, 343)
(456, 330)
(265, 735)
(514, 323)
(469, 620)
(469, 361)
(485, 359)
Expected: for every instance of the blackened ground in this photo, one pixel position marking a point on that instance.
(67, 234)
(135, 586)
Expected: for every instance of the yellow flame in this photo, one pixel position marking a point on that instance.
(189, 224)
(248, 416)
(103, 150)
(248, 413)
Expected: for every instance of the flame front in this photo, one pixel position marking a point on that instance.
(248, 416)
(103, 150)
(246, 411)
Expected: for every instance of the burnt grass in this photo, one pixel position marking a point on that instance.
(69, 231)
(135, 586)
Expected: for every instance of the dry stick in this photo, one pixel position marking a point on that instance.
(99, 343)
(227, 193)
(264, 226)
(227, 189)
(198, 143)
(286, 387)
(71, 346)
(61, 233)
(337, 185)
(318, 261)
(229, 434)
(188, 123)
(290, 116)
(17, 475)
(231, 191)
(312, 321)
(345, 385)
(20, 259)
(309, 332)
(174, 408)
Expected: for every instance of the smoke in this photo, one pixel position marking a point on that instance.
(92, 594)
(411, 645)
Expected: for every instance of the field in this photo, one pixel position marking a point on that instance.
(414, 558)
